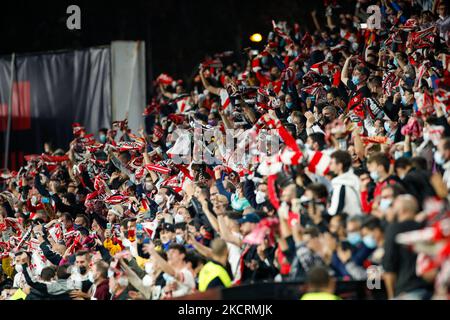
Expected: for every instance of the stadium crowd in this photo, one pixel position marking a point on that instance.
(323, 157)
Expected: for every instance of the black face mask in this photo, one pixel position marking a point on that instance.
(83, 270)
(326, 120)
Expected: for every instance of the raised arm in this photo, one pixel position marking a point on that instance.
(226, 234)
(344, 74)
(206, 84)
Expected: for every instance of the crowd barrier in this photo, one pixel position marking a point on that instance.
(348, 290)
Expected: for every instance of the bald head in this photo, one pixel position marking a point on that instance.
(406, 207)
(219, 250)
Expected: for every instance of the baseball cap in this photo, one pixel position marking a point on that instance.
(251, 217)
(168, 227)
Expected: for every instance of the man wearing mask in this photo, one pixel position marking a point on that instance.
(414, 180)
(167, 235)
(399, 261)
(21, 258)
(99, 276)
(255, 196)
(373, 238)
(118, 286)
(361, 249)
(346, 191)
(378, 164)
(329, 114)
(102, 135)
(81, 276)
(357, 83)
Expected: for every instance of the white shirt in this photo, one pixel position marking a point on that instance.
(234, 256)
(186, 285)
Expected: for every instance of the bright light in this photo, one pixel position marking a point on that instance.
(256, 37)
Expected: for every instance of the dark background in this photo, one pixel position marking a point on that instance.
(178, 34)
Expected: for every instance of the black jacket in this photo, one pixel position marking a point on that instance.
(416, 183)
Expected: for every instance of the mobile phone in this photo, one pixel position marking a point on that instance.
(139, 231)
(45, 200)
(108, 226)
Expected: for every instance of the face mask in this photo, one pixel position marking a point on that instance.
(369, 242)
(110, 273)
(355, 80)
(18, 268)
(76, 226)
(354, 238)
(148, 186)
(178, 218)
(260, 197)
(289, 104)
(239, 204)
(404, 102)
(396, 62)
(147, 280)
(149, 267)
(438, 158)
(123, 282)
(375, 176)
(159, 199)
(326, 120)
(83, 269)
(387, 128)
(102, 138)
(264, 60)
(289, 119)
(167, 278)
(91, 277)
(385, 204)
(398, 154)
(179, 239)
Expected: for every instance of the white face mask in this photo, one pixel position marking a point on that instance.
(178, 218)
(18, 268)
(123, 282)
(148, 186)
(91, 277)
(110, 273)
(147, 280)
(149, 267)
(260, 197)
(159, 199)
(179, 239)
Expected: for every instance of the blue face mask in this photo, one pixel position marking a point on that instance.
(355, 80)
(239, 204)
(395, 62)
(369, 242)
(384, 204)
(375, 176)
(398, 154)
(354, 238)
(289, 104)
(438, 158)
(102, 138)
